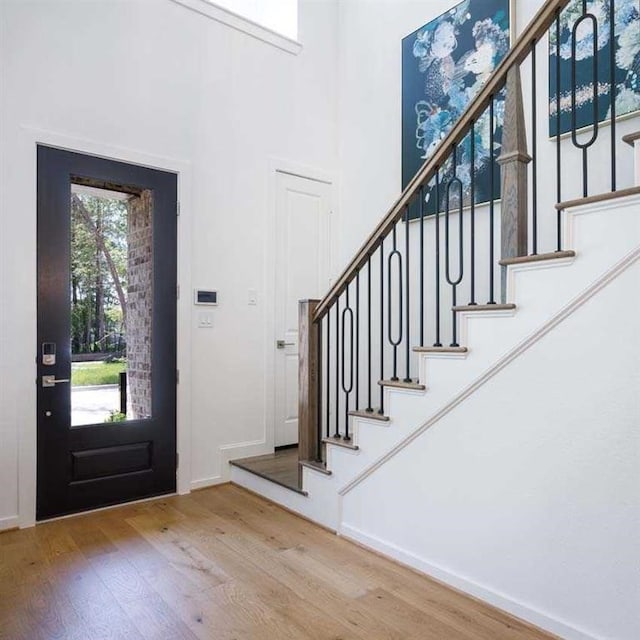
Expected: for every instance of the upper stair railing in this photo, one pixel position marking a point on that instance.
(390, 300)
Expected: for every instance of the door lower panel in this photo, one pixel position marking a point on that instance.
(93, 464)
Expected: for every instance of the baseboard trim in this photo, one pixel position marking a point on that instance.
(12, 522)
(203, 483)
(520, 610)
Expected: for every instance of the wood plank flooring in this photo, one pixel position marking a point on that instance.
(280, 467)
(221, 564)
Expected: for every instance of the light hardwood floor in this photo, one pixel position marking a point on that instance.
(221, 564)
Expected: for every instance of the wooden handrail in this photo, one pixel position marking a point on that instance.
(518, 53)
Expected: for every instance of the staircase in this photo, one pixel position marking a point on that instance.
(401, 362)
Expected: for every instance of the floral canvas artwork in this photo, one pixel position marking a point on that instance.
(444, 65)
(625, 76)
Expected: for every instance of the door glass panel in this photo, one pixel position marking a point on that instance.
(111, 297)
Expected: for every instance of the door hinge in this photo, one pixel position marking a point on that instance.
(177, 376)
(177, 459)
(178, 208)
(177, 292)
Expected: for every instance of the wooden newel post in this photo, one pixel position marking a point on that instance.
(308, 372)
(513, 162)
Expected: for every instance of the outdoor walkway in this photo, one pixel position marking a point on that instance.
(92, 405)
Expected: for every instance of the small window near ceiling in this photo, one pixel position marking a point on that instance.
(280, 16)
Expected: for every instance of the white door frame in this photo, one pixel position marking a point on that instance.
(276, 166)
(27, 454)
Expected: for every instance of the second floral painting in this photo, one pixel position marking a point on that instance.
(444, 65)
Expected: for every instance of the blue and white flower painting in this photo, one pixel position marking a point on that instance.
(625, 76)
(444, 65)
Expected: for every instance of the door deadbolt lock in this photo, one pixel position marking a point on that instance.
(48, 353)
(281, 344)
(52, 381)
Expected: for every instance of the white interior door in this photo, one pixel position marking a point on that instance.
(302, 271)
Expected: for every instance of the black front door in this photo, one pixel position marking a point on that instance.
(107, 242)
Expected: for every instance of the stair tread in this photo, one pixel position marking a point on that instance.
(341, 442)
(484, 307)
(630, 138)
(371, 415)
(401, 384)
(316, 466)
(601, 197)
(440, 349)
(539, 257)
(246, 465)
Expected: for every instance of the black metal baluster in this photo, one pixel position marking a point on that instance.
(319, 392)
(454, 282)
(491, 205)
(612, 88)
(421, 265)
(394, 343)
(357, 349)
(381, 408)
(472, 212)
(584, 146)
(328, 394)
(534, 152)
(337, 421)
(558, 137)
(369, 407)
(347, 312)
(437, 343)
(407, 377)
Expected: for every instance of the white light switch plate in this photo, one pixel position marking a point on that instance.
(252, 297)
(205, 320)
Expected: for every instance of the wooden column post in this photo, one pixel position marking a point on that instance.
(308, 372)
(513, 162)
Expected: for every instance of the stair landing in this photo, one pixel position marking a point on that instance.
(280, 467)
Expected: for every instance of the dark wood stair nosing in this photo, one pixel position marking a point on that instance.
(601, 197)
(341, 442)
(485, 307)
(538, 257)
(631, 138)
(370, 415)
(316, 466)
(264, 476)
(401, 384)
(441, 349)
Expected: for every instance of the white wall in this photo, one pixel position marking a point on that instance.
(527, 493)
(152, 79)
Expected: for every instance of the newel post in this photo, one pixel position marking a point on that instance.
(308, 372)
(513, 162)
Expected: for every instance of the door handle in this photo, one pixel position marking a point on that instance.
(281, 344)
(52, 381)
